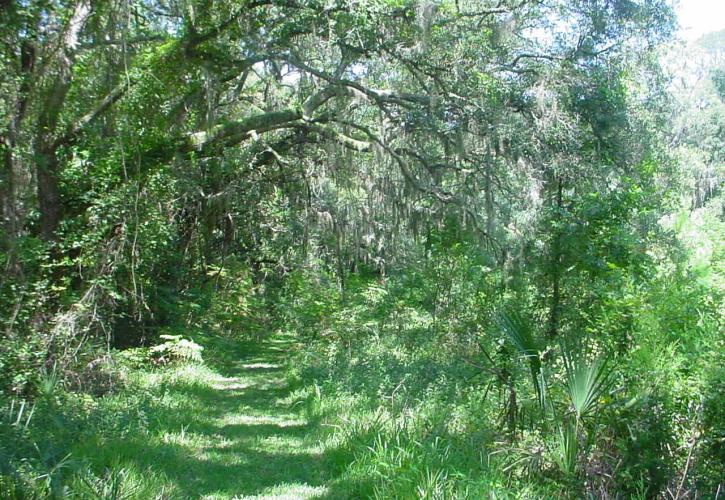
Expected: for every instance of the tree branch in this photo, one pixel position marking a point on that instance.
(379, 96)
(73, 131)
(232, 133)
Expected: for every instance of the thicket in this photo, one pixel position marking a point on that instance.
(430, 385)
(495, 228)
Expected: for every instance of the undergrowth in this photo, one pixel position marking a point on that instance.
(420, 389)
(66, 444)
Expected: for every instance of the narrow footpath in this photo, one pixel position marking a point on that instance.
(238, 434)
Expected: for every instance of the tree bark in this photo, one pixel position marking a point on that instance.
(49, 203)
(555, 305)
(45, 145)
(490, 216)
(8, 202)
(7, 192)
(339, 258)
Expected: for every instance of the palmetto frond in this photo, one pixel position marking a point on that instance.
(565, 449)
(586, 381)
(519, 332)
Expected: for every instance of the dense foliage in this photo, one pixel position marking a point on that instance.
(494, 230)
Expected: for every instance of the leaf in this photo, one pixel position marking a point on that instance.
(565, 449)
(586, 381)
(519, 332)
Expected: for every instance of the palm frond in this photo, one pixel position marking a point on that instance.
(520, 334)
(565, 449)
(586, 381)
(518, 331)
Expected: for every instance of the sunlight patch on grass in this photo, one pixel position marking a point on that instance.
(283, 444)
(264, 382)
(288, 492)
(189, 440)
(251, 420)
(223, 456)
(260, 366)
(231, 384)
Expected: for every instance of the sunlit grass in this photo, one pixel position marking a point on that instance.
(230, 428)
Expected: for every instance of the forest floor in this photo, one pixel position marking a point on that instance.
(235, 430)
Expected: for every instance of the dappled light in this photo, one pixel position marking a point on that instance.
(347, 249)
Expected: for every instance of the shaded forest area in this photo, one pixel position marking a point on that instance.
(482, 239)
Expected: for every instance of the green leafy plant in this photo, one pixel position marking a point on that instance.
(586, 382)
(519, 332)
(176, 349)
(521, 335)
(49, 381)
(565, 448)
(117, 483)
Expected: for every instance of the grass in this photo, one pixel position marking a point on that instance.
(230, 428)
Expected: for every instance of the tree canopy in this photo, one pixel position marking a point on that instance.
(513, 183)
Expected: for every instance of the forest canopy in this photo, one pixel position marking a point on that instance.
(494, 226)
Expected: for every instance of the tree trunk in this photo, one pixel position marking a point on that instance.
(340, 262)
(488, 192)
(8, 201)
(49, 202)
(555, 305)
(9, 209)
(46, 145)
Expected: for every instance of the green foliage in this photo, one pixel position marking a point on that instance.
(176, 349)
(235, 303)
(565, 449)
(416, 201)
(519, 333)
(586, 382)
(116, 483)
(308, 302)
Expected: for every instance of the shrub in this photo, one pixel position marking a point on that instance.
(176, 349)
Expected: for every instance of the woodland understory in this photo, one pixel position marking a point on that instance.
(360, 249)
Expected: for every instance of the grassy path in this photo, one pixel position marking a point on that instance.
(231, 431)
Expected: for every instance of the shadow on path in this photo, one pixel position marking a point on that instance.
(235, 436)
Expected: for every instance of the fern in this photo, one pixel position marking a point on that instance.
(176, 348)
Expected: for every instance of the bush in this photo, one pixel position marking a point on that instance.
(176, 349)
